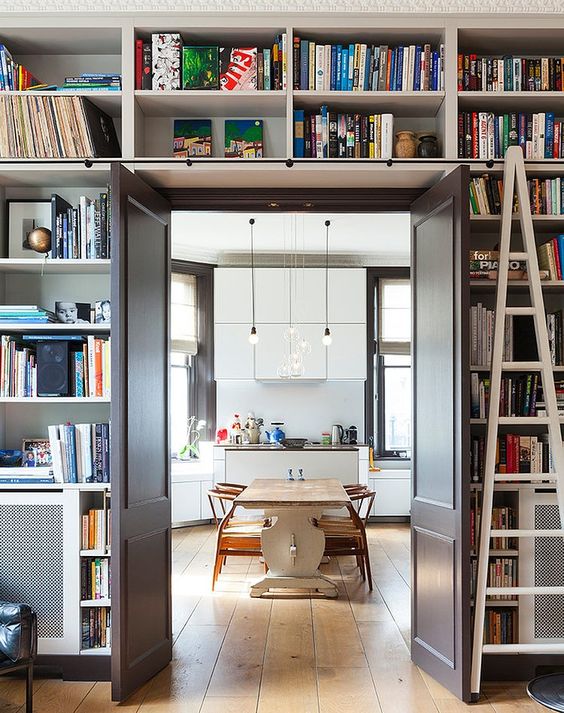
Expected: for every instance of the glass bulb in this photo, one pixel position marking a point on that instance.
(305, 346)
(283, 370)
(291, 334)
(326, 339)
(297, 369)
(253, 336)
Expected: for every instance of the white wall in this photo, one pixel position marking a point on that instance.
(307, 409)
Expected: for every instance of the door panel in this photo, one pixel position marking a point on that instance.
(440, 497)
(141, 551)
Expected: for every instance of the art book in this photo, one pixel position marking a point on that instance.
(166, 47)
(192, 137)
(200, 67)
(243, 138)
(237, 68)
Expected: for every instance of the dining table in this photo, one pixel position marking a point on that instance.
(292, 544)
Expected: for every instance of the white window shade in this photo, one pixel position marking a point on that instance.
(184, 314)
(394, 323)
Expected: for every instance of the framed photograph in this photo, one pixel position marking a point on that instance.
(36, 452)
(103, 312)
(69, 312)
(23, 217)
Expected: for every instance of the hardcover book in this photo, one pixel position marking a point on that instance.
(166, 48)
(237, 68)
(200, 67)
(192, 137)
(243, 138)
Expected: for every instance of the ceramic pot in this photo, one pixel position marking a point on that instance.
(428, 146)
(406, 144)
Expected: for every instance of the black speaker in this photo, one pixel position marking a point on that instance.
(53, 368)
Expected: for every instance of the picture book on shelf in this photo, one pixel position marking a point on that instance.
(243, 138)
(192, 137)
(237, 68)
(166, 48)
(200, 67)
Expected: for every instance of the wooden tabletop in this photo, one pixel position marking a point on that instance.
(269, 493)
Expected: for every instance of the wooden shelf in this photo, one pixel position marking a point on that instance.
(474, 367)
(511, 101)
(512, 487)
(22, 172)
(56, 486)
(55, 267)
(105, 651)
(54, 399)
(96, 603)
(492, 223)
(55, 328)
(490, 285)
(109, 101)
(398, 103)
(94, 553)
(186, 103)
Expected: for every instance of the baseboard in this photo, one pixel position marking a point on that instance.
(75, 668)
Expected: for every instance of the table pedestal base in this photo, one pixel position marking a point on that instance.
(317, 582)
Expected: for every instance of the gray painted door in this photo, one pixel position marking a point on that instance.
(141, 547)
(441, 410)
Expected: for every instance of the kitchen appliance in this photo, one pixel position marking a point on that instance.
(337, 434)
(352, 435)
(277, 435)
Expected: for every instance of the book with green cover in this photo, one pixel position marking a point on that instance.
(192, 137)
(200, 67)
(243, 138)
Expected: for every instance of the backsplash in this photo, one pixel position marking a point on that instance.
(307, 409)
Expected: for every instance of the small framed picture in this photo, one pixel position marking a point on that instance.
(23, 217)
(72, 312)
(103, 312)
(36, 452)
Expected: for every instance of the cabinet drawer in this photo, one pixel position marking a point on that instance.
(393, 497)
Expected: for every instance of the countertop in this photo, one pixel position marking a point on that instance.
(282, 449)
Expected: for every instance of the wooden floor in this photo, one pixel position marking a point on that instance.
(233, 654)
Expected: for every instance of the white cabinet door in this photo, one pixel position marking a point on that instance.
(347, 295)
(346, 356)
(308, 295)
(272, 348)
(232, 294)
(205, 509)
(272, 291)
(393, 496)
(185, 502)
(234, 356)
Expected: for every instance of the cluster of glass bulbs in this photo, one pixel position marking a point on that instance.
(292, 366)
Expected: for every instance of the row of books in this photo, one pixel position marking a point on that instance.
(514, 454)
(14, 76)
(55, 127)
(331, 135)
(96, 627)
(502, 572)
(96, 529)
(83, 231)
(92, 82)
(500, 626)
(509, 74)
(165, 64)
(359, 67)
(485, 135)
(551, 257)
(95, 578)
(482, 322)
(519, 395)
(25, 314)
(503, 518)
(546, 195)
(484, 264)
(80, 452)
(243, 138)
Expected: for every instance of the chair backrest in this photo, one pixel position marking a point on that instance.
(221, 496)
(362, 502)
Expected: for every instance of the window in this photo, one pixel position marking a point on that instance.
(392, 365)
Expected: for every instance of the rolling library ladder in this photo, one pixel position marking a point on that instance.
(515, 179)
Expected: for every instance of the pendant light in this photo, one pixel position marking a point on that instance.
(326, 339)
(253, 336)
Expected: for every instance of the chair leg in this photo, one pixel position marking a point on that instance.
(29, 689)
(216, 569)
(367, 561)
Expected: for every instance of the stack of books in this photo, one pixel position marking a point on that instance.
(96, 627)
(502, 572)
(485, 135)
(14, 76)
(80, 452)
(95, 581)
(25, 314)
(92, 82)
(503, 518)
(546, 195)
(96, 529)
(515, 453)
(21, 475)
(551, 257)
(519, 395)
(500, 626)
(509, 74)
(328, 134)
(83, 231)
(359, 67)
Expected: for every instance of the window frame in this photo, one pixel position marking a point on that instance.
(201, 381)
(374, 389)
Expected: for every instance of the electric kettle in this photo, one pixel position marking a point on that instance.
(337, 434)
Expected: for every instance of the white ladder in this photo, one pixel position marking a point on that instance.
(515, 179)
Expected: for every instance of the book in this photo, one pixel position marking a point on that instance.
(243, 138)
(200, 67)
(192, 137)
(238, 68)
(165, 60)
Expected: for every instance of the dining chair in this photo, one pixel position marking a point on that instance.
(229, 491)
(235, 537)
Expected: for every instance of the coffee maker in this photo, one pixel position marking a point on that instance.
(352, 435)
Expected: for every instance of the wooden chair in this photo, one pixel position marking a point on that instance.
(229, 491)
(345, 535)
(235, 537)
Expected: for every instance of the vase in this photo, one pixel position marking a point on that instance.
(406, 144)
(428, 146)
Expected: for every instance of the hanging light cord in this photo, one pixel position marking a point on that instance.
(327, 224)
(252, 223)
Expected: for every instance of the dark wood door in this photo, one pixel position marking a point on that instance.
(141, 532)
(440, 500)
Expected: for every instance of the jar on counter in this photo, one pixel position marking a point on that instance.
(325, 438)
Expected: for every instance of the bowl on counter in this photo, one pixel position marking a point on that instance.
(294, 442)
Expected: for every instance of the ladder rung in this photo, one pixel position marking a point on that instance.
(520, 311)
(523, 648)
(518, 256)
(522, 366)
(524, 420)
(523, 590)
(526, 533)
(526, 477)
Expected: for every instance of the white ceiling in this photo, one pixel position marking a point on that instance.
(224, 238)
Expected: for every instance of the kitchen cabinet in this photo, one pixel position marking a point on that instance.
(346, 356)
(347, 295)
(309, 295)
(185, 502)
(232, 294)
(393, 493)
(234, 355)
(272, 291)
(205, 508)
(272, 347)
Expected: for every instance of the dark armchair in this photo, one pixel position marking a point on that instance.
(18, 643)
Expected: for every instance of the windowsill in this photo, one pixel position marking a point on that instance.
(394, 459)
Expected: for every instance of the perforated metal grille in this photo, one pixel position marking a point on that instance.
(549, 572)
(31, 562)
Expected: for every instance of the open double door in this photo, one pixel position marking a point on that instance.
(142, 639)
